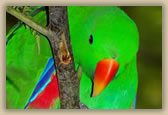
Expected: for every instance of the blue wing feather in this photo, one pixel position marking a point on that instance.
(135, 102)
(44, 80)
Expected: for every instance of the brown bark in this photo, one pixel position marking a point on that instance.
(63, 57)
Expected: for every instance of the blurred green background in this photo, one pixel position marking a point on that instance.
(149, 23)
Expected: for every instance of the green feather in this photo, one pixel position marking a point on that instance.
(24, 63)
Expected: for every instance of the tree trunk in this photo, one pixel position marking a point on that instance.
(63, 57)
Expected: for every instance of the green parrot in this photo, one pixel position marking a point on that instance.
(104, 42)
(98, 33)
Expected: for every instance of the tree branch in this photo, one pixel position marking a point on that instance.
(29, 21)
(61, 45)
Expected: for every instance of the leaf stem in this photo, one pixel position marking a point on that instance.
(29, 21)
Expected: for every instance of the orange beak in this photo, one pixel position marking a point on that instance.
(105, 71)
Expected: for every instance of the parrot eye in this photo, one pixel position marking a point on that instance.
(91, 39)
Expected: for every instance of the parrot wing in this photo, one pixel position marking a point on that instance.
(26, 59)
(46, 92)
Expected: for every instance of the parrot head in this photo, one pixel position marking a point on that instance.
(103, 43)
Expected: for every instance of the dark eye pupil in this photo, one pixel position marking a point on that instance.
(91, 39)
